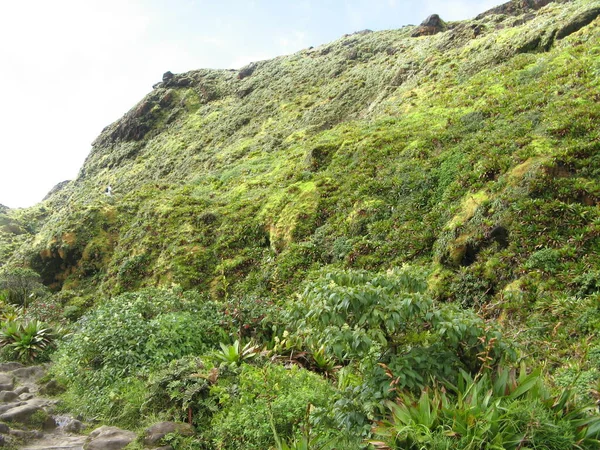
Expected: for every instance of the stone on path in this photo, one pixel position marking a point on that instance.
(108, 438)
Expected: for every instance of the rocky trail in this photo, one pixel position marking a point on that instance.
(28, 420)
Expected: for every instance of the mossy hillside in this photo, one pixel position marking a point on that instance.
(368, 152)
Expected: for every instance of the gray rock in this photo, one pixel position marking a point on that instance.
(9, 366)
(26, 396)
(108, 438)
(8, 406)
(4, 428)
(8, 396)
(156, 432)
(32, 373)
(73, 426)
(23, 412)
(21, 390)
(6, 382)
(27, 434)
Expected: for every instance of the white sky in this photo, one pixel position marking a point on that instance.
(71, 67)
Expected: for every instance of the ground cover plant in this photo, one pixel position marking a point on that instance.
(381, 228)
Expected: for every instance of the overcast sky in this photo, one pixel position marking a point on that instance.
(71, 67)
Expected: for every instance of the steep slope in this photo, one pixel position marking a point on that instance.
(474, 149)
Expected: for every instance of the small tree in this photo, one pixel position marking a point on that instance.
(19, 284)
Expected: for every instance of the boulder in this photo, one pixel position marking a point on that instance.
(23, 412)
(167, 76)
(108, 438)
(430, 26)
(156, 432)
(21, 390)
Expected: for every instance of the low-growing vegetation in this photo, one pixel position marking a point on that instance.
(385, 242)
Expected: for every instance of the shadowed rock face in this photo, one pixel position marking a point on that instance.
(430, 26)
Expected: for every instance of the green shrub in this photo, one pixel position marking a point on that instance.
(20, 285)
(129, 336)
(269, 396)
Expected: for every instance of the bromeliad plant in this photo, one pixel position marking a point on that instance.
(234, 354)
(500, 411)
(26, 340)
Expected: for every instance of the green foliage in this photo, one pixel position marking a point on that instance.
(388, 319)
(27, 340)
(235, 354)
(492, 412)
(271, 391)
(20, 285)
(131, 335)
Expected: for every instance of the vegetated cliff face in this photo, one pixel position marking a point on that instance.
(474, 149)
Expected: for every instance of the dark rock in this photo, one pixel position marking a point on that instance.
(156, 432)
(246, 71)
(430, 26)
(4, 428)
(167, 76)
(49, 424)
(578, 22)
(245, 91)
(8, 396)
(109, 438)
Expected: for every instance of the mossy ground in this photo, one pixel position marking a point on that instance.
(369, 152)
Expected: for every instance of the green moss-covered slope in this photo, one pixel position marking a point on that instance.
(474, 150)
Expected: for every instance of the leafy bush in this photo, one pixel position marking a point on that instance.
(271, 396)
(129, 336)
(389, 319)
(20, 284)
